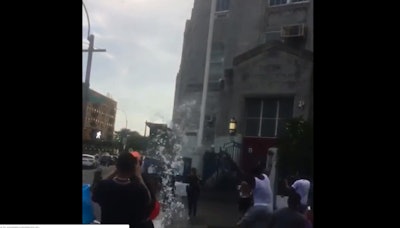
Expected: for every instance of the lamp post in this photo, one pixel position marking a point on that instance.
(232, 126)
(125, 138)
(232, 132)
(126, 118)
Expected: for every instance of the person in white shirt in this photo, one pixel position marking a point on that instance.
(260, 213)
(302, 187)
(151, 169)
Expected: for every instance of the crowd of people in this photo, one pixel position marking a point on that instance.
(127, 196)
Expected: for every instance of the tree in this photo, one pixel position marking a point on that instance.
(97, 146)
(296, 148)
(133, 140)
(136, 141)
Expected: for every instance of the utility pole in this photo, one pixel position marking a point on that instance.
(86, 93)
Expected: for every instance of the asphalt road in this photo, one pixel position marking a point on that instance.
(88, 174)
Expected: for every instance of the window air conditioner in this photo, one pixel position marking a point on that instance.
(292, 30)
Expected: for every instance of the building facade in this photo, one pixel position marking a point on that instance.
(100, 117)
(260, 73)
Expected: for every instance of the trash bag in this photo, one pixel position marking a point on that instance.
(87, 207)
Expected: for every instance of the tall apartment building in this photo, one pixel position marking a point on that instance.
(100, 117)
(261, 69)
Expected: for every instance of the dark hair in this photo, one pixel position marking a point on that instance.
(259, 168)
(294, 200)
(126, 163)
(193, 170)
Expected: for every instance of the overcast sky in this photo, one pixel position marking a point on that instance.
(144, 41)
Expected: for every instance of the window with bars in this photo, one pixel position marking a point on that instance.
(267, 117)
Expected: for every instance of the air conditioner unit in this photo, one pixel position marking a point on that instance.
(292, 30)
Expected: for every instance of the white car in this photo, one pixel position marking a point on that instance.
(89, 161)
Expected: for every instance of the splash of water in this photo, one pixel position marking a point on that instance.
(166, 146)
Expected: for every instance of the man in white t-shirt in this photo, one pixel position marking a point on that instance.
(151, 169)
(302, 187)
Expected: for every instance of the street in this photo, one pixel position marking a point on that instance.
(88, 174)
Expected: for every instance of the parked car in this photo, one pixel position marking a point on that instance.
(106, 160)
(89, 161)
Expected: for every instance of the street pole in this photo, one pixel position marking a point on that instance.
(87, 78)
(125, 136)
(126, 118)
(145, 128)
(206, 72)
(86, 93)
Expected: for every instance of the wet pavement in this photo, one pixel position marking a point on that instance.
(215, 210)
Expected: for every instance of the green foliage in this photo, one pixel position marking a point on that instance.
(137, 142)
(134, 140)
(296, 148)
(163, 143)
(97, 146)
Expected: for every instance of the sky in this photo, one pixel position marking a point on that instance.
(143, 41)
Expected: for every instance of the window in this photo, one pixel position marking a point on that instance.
(213, 86)
(194, 87)
(217, 53)
(222, 5)
(284, 2)
(216, 70)
(267, 117)
(217, 61)
(271, 33)
(277, 2)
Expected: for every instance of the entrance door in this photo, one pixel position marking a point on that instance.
(254, 150)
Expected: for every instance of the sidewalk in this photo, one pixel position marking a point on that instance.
(215, 210)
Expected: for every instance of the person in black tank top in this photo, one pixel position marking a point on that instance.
(193, 192)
